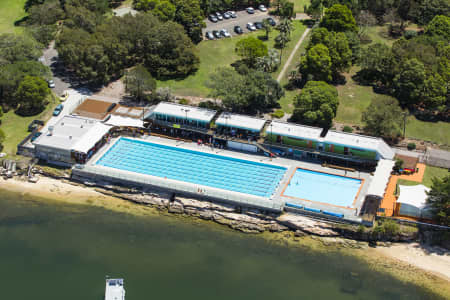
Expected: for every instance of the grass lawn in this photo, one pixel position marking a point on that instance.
(300, 4)
(438, 132)
(11, 11)
(380, 34)
(430, 173)
(15, 127)
(220, 53)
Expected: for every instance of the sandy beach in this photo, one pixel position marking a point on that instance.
(432, 260)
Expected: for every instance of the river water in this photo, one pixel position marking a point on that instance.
(57, 251)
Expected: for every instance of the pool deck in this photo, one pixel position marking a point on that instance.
(276, 202)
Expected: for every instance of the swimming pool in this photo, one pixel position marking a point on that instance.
(212, 170)
(323, 187)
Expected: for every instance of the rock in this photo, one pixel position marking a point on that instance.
(206, 215)
(307, 225)
(176, 208)
(299, 233)
(276, 227)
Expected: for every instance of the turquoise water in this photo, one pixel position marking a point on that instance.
(323, 187)
(52, 251)
(195, 167)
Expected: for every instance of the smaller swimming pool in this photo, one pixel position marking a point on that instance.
(323, 187)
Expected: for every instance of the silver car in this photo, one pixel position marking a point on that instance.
(262, 8)
(251, 27)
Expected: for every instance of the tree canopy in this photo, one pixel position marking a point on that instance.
(439, 200)
(122, 42)
(383, 117)
(316, 64)
(139, 83)
(250, 92)
(316, 105)
(31, 94)
(250, 49)
(339, 18)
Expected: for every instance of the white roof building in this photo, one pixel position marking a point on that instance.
(184, 111)
(294, 130)
(381, 177)
(240, 121)
(72, 133)
(361, 142)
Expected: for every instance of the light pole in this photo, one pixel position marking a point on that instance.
(186, 111)
(226, 116)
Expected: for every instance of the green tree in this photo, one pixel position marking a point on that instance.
(377, 63)
(252, 92)
(268, 63)
(250, 49)
(440, 27)
(408, 83)
(45, 14)
(316, 64)
(139, 83)
(434, 94)
(2, 139)
(339, 18)
(383, 117)
(267, 27)
(189, 15)
(164, 10)
(439, 200)
(14, 47)
(316, 105)
(31, 96)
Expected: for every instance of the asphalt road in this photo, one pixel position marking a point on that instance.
(242, 19)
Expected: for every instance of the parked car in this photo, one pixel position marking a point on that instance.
(51, 84)
(219, 16)
(209, 35)
(238, 29)
(64, 96)
(251, 27)
(262, 7)
(258, 25)
(35, 124)
(216, 34)
(271, 21)
(213, 18)
(58, 110)
(250, 10)
(226, 15)
(232, 14)
(225, 33)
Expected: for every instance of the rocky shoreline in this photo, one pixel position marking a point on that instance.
(249, 220)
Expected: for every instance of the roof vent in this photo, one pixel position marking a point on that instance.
(81, 126)
(70, 137)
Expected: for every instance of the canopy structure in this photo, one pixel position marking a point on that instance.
(413, 200)
(91, 137)
(121, 121)
(183, 111)
(294, 130)
(381, 178)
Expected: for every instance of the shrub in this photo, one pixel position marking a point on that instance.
(209, 105)
(278, 114)
(398, 165)
(347, 129)
(390, 227)
(411, 146)
(410, 34)
(183, 101)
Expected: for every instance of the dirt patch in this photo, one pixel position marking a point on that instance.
(115, 89)
(94, 109)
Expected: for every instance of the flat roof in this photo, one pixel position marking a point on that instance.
(380, 178)
(183, 111)
(294, 130)
(73, 133)
(240, 121)
(92, 108)
(116, 120)
(360, 141)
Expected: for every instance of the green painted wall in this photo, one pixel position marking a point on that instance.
(293, 142)
(356, 152)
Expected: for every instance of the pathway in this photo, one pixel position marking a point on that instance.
(288, 62)
(389, 199)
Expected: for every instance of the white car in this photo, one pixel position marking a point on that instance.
(250, 10)
(251, 26)
(225, 33)
(262, 8)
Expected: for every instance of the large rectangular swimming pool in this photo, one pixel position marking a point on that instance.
(323, 187)
(196, 167)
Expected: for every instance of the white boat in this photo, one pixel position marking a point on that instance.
(114, 289)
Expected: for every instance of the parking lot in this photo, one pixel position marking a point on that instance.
(242, 19)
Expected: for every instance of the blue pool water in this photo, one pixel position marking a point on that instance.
(323, 187)
(195, 167)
